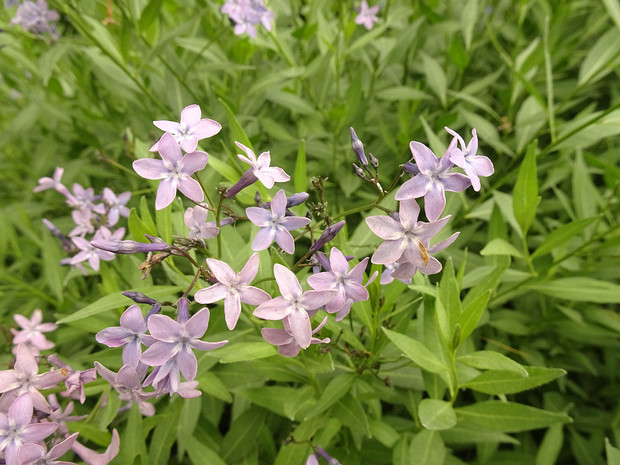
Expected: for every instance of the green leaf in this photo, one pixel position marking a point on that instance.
(163, 218)
(284, 401)
(449, 294)
(241, 438)
(427, 448)
(133, 438)
(417, 352)
(436, 414)
(210, 384)
(579, 289)
(351, 413)
(525, 192)
(435, 77)
(497, 382)
(301, 176)
(200, 454)
(243, 351)
(551, 446)
(236, 130)
(472, 313)
(188, 419)
(613, 454)
(509, 417)
(489, 360)
(562, 235)
(500, 247)
(384, 433)
(112, 301)
(137, 228)
(600, 55)
(334, 391)
(469, 19)
(401, 93)
(163, 438)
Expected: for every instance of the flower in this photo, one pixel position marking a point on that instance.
(32, 331)
(190, 130)
(327, 235)
(466, 158)
(233, 287)
(196, 220)
(130, 334)
(36, 18)
(246, 14)
(54, 183)
(16, 429)
(348, 283)
(75, 379)
(314, 458)
(114, 205)
(91, 457)
(283, 338)
(367, 16)
(260, 167)
(293, 305)
(275, 224)
(36, 454)
(433, 179)
(407, 239)
(127, 383)
(93, 254)
(174, 170)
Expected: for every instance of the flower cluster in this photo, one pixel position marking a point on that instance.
(94, 217)
(27, 417)
(36, 17)
(246, 14)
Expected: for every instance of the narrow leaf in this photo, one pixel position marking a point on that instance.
(472, 313)
(417, 352)
(334, 391)
(562, 235)
(200, 454)
(525, 193)
(497, 382)
(301, 177)
(489, 360)
(580, 289)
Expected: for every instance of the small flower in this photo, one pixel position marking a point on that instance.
(127, 383)
(190, 130)
(175, 171)
(114, 205)
(196, 220)
(91, 457)
(268, 175)
(294, 305)
(129, 247)
(283, 338)
(32, 331)
(358, 147)
(75, 379)
(36, 454)
(130, 334)
(367, 15)
(246, 14)
(433, 179)
(275, 224)
(90, 252)
(314, 458)
(233, 287)
(54, 183)
(466, 158)
(35, 17)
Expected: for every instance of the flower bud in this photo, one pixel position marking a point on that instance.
(247, 179)
(411, 168)
(128, 247)
(359, 172)
(183, 310)
(139, 297)
(296, 199)
(373, 161)
(327, 236)
(358, 148)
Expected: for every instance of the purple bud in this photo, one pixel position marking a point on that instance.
(67, 245)
(327, 236)
(358, 171)
(322, 261)
(139, 297)
(155, 309)
(247, 179)
(127, 247)
(358, 148)
(411, 168)
(373, 161)
(183, 310)
(296, 199)
(257, 198)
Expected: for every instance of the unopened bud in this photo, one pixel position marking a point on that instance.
(358, 148)
(247, 179)
(155, 309)
(373, 161)
(183, 310)
(327, 236)
(257, 198)
(296, 199)
(128, 247)
(322, 261)
(139, 297)
(411, 168)
(359, 172)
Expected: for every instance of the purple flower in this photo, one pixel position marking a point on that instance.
(196, 220)
(91, 457)
(175, 340)
(266, 174)
(32, 331)
(233, 287)
(367, 16)
(466, 158)
(314, 458)
(174, 170)
(36, 454)
(293, 305)
(84, 219)
(327, 235)
(114, 205)
(275, 224)
(54, 183)
(190, 130)
(347, 282)
(407, 239)
(130, 334)
(36, 18)
(433, 179)
(16, 429)
(283, 338)
(386, 275)
(75, 379)
(90, 252)
(127, 383)
(82, 198)
(246, 14)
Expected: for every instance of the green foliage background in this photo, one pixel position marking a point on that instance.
(539, 82)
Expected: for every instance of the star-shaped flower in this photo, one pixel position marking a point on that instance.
(36, 454)
(367, 15)
(283, 338)
(31, 333)
(175, 171)
(293, 304)
(233, 287)
(190, 130)
(275, 224)
(196, 220)
(433, 179)
(466, 158)
(266, 174)
(130, 334)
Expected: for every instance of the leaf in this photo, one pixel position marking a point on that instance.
(562, 235)
(350, 412)
(417, 352)
(137, 228)
(243, 351)
(435, 77)
(333, 392)
(163, 219)
(133, 437)
(284, 401)
(188, 419)
(427, 448)
(436, 414)
(449, 294)
(613, 454)
(384, 433)
(469, 18)
(500, 247)
(236, 130)
(472, 313)
(200, 454)
(551, 446)
(112, 301)
(601, 55)
(579, 289)
(497, 382)
(489, 360)
(162, 440)
(401, 93)
(509, 417)
(241, 438)
(210, 384)
(301, 176)
(525, 192)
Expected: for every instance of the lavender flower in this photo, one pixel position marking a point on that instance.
(114, 205)
(266, 174)
(75, 379)
(233, 287)
(246, 14)
(35, 17)
(127, 382)
(190, 130)
(284, 339)
(466, 158)
(275, 224)
(196, 220)
(174, 170)
(433, 180)
(54, 183)
(36, 454)
(367, 15)
(131, 334)
(327, 235)
(358, 148)
(91, 457)
(93, 254)
(129, 247)
(293, 305)
(31, 334)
